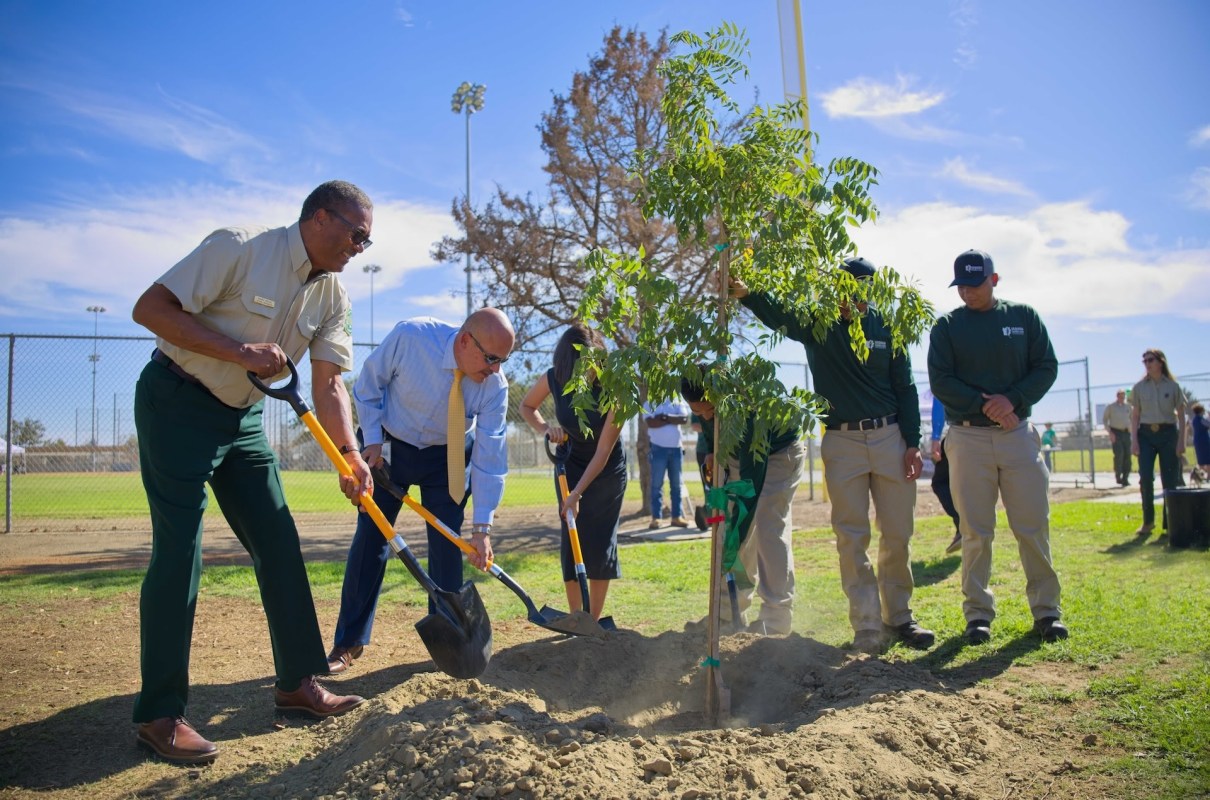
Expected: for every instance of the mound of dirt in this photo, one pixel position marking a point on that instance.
(622, 717)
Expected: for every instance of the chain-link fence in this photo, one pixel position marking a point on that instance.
(71, 451)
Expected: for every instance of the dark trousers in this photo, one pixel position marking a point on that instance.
(368, 555)
(941, 486)
(186, 439)
(1160, 443)
(1121, 455)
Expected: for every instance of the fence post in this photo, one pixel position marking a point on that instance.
(1092, 458)
(8, 441)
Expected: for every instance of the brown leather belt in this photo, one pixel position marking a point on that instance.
(159, 357)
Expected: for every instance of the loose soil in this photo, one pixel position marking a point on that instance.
(552, 717)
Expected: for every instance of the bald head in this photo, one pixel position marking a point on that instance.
(483, 343)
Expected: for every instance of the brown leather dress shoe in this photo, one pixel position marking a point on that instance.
(174, 739)
(313, 699)
(341, 658)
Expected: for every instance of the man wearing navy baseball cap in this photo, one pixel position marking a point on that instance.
(989, 361)
(972, 268)
(871, 449)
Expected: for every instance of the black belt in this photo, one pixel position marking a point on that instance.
(1120, 430)
(1156, 426)
(977, 423)
(872, 424)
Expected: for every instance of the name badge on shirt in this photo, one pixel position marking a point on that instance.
(264, 301)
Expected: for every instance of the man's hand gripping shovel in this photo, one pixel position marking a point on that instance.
(549, 618)
(458, 635)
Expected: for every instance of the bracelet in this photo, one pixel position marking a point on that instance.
(345, 449)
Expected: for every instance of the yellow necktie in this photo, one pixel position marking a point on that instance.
(455, 444)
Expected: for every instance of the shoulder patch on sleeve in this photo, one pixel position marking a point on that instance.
(349, 320)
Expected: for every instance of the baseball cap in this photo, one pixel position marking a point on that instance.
(972, 268)
(859, 268)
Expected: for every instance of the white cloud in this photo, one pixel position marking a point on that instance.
(1199, 188)
(1200, 137)
(957, 169)
(404, 16)
(867, 98)
(113, 249)
(1065, 259)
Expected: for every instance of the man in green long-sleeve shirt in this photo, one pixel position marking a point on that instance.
(766, 553)
(989, 362)
(871, 448)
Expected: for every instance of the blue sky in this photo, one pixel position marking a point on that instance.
(1070, 140)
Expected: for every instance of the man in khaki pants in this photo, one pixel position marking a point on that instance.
(989, 361)
(871, 450)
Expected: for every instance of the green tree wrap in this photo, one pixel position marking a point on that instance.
(736, 516)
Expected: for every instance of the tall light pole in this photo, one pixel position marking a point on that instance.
(96, 312)
(372, 269)
(468, 98)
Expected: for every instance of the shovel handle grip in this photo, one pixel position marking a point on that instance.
(290, 392)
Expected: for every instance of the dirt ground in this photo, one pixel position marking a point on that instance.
(552, 717)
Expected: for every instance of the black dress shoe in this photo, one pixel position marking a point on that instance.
(1050, 629)
(914, 635)
(978, 631)
(174, 740)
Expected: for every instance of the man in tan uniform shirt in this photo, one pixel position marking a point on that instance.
(242, 301)
(1117, 424)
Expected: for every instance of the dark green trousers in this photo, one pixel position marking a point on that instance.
(187, 439)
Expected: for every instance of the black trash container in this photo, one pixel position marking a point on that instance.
(1188, 517)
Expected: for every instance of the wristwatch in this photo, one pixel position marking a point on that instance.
(484, 528)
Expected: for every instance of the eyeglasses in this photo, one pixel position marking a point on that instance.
(359, 237)
(1149, 359)
(488, 357)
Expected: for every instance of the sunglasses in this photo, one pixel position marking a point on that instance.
(1149, 359)
(488, 357)
(359, 237)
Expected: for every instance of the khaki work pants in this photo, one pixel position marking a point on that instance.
(859, 465)
(986, 462)
(767, 556)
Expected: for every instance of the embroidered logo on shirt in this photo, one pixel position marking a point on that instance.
(1012, 330)
(877, 344)
(264, 301)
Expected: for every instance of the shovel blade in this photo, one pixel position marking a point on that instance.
(458, 635)
(577, 623)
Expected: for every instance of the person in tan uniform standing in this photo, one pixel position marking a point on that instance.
(990, 361)
(243, 301)
(1117, 424)
(1157, 426)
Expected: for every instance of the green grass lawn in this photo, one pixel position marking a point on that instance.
(1138, 657)
(108, 495)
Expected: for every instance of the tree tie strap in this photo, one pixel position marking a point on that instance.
(726, 498)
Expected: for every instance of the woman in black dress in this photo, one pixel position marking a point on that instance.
(596, 471)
